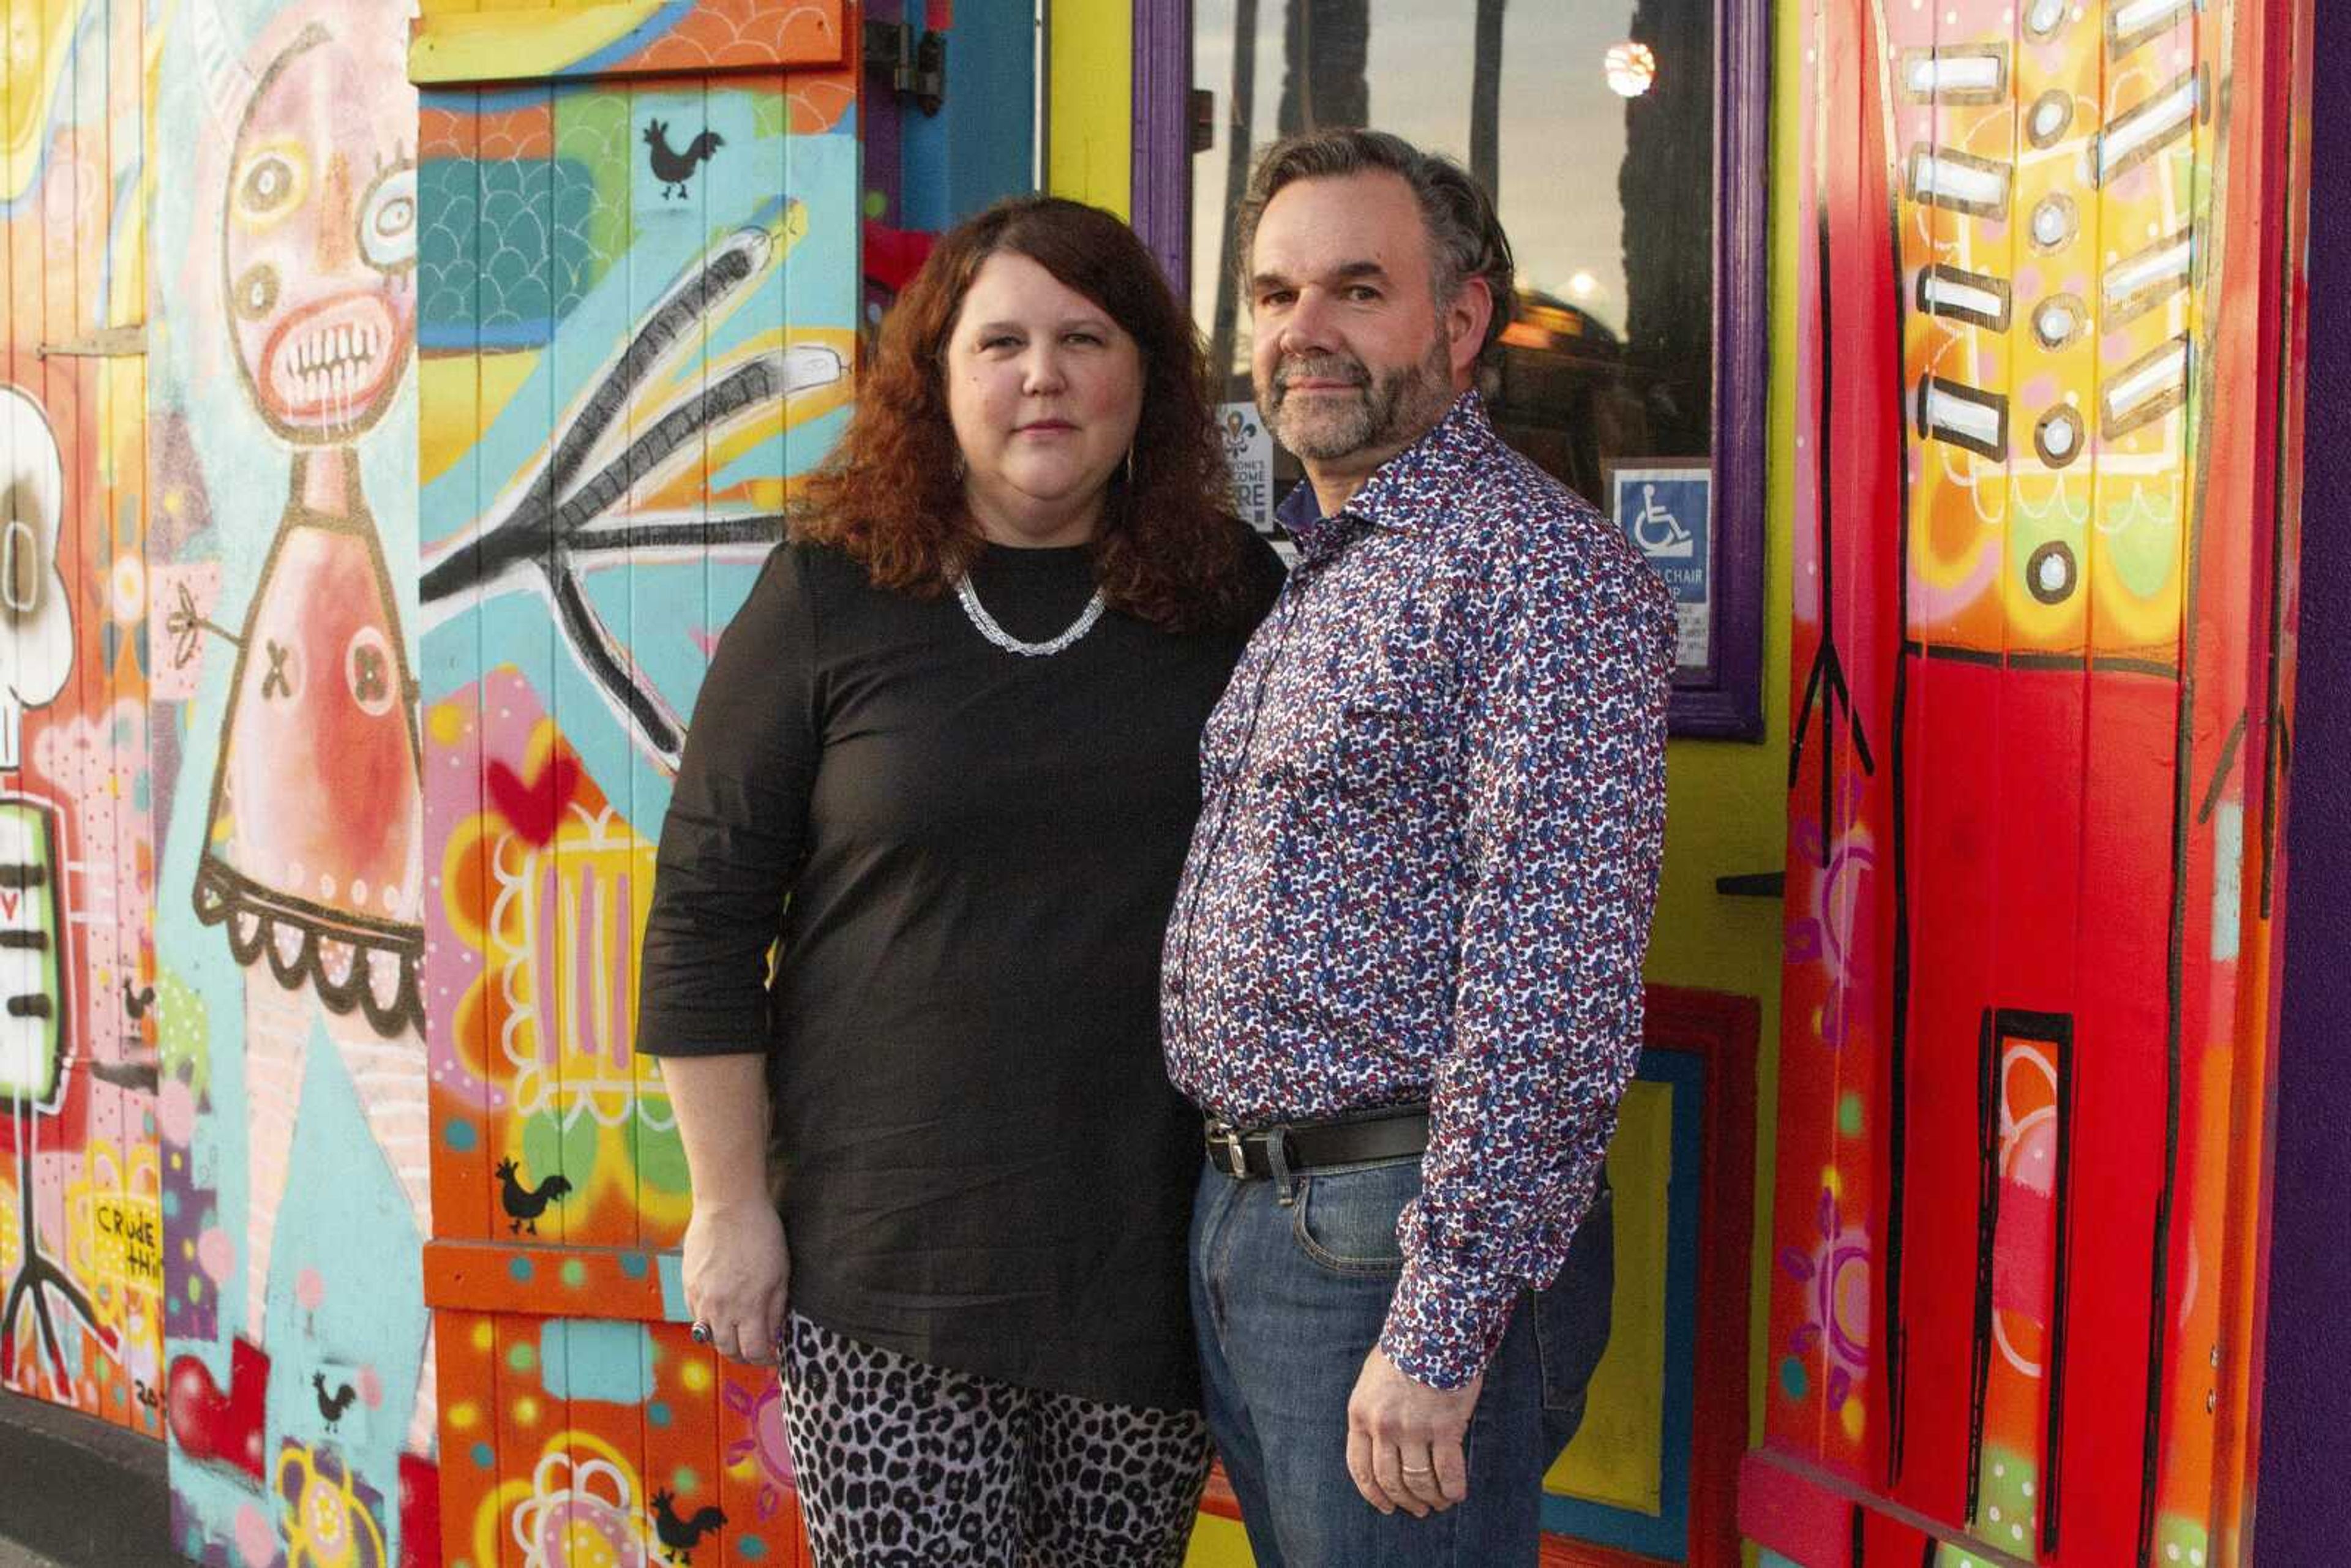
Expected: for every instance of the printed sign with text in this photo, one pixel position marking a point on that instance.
(1249, 452)
(1666, 507)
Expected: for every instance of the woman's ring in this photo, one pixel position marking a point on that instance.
(700, 1332)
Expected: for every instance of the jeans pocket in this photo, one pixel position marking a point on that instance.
(1573, 1316)
(1346, 1220)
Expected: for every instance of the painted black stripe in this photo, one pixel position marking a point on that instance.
(1988, 1055)
(37, 941)
(1993, 658)
(1990, 657)
(31, 1005)
(1898, 1032)
(2220, 770)
(2175, 965)
(2052, 1440)
(2120, 665)
(2283, 531)
(28, 874)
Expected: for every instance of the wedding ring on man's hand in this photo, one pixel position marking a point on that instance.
(700, 1332)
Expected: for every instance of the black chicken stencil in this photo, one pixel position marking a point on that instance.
(673, 168)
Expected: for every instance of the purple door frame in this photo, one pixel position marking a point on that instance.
(1730, 707)
(2303, 1502)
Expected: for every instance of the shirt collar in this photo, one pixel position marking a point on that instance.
(1415, 491)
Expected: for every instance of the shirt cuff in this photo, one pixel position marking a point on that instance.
(1443, 1323)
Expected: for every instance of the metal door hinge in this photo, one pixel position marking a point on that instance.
(916, 59)
(108, 342)
(1204, 118)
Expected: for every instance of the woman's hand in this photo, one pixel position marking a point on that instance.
(735, 1267)
(736, 1276)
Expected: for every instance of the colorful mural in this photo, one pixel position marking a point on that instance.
(299, 1387)
(2034, 779)
(638, 305)
(82, 1196)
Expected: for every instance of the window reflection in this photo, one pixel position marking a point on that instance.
(1593, 122)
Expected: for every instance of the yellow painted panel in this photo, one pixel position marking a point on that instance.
(509, 43)
(448, 380)
(35, 49)
(1726, 802)
(1617, 1458)
(1218, 1542)
(1090, 67)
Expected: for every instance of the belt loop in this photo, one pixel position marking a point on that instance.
(1277, 1164)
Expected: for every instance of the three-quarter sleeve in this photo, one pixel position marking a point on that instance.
(737, 828)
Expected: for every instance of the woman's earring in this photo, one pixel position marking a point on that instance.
(1130, 465)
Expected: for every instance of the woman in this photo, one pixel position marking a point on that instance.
(957, 721)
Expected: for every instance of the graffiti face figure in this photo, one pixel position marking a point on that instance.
(320, 246)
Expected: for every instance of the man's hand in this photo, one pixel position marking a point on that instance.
(1403, 1439)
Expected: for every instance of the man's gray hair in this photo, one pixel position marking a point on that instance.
(1465, 238)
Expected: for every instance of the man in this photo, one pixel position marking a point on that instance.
(1403, 973)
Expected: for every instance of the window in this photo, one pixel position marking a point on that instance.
(1632, 369)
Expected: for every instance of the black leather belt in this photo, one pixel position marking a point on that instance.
(1242, 1152)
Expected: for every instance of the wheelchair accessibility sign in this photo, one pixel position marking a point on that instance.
(1667, 509)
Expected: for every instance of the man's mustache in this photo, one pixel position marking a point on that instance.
(1321, 368)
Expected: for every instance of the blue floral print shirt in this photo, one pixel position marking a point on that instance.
(1434, 808)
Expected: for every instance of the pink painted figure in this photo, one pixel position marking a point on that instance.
(315, 853)
(313, 860)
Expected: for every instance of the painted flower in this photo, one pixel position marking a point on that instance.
(580, 1515)
(1834, 1279)
(762, 1438)
(325, 1522)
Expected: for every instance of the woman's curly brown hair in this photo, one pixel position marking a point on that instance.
(890, 494)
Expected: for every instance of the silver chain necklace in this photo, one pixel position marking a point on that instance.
(988, 628)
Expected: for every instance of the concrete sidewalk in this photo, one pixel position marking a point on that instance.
(78, 1492)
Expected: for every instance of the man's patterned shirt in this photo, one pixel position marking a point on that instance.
(1434, 808)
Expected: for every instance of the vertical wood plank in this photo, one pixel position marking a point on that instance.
(670, 172)
(683, 1455)
(466, 1004)
(466, 1352)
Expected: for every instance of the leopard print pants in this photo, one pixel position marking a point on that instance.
(906, 1464)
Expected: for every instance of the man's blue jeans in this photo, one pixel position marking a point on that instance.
(1290, 1281)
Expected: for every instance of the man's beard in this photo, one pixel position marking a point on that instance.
(1392, 410)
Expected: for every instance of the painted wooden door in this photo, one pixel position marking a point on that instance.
(2047, 420)
(638, 310)
(82, 1244)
